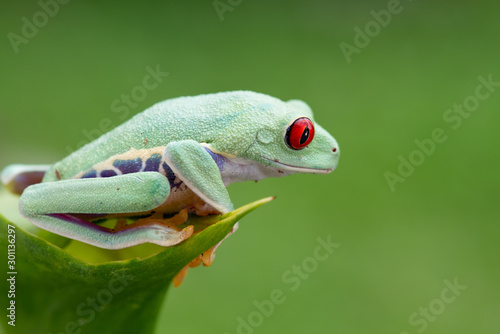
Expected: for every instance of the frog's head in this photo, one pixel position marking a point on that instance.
(291, 141)
(285, 137)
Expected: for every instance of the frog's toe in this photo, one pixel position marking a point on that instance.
(157, 230)
(208, 256)
(179, 278)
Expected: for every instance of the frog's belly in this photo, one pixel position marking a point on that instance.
(181, 197)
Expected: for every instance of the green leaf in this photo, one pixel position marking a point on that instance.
(56, 292)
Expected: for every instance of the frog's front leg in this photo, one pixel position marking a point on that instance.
(54, 206)
(191, 163)
(195, 167)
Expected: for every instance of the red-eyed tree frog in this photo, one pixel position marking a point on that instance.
(173, 159)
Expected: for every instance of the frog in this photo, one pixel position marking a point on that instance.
(173, 160)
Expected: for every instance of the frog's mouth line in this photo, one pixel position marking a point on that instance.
(296, 168)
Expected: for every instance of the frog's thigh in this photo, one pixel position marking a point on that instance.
(196, 168)
(135, 192)
(50, 205)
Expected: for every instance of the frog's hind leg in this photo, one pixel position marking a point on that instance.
(178, 219)
(155, 220)
(16, 178)
(55, 206)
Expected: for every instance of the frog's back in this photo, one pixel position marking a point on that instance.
(201, 118)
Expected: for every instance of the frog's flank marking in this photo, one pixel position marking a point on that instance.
(108, 173)
(153, 163)
(128, 166)
(90, 174)
(144, 162)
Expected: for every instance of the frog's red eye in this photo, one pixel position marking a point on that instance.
(300, 133)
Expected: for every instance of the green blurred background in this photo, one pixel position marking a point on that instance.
(397, 247)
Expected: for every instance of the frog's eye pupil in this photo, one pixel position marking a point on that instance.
(300, 133)
(305, 136)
